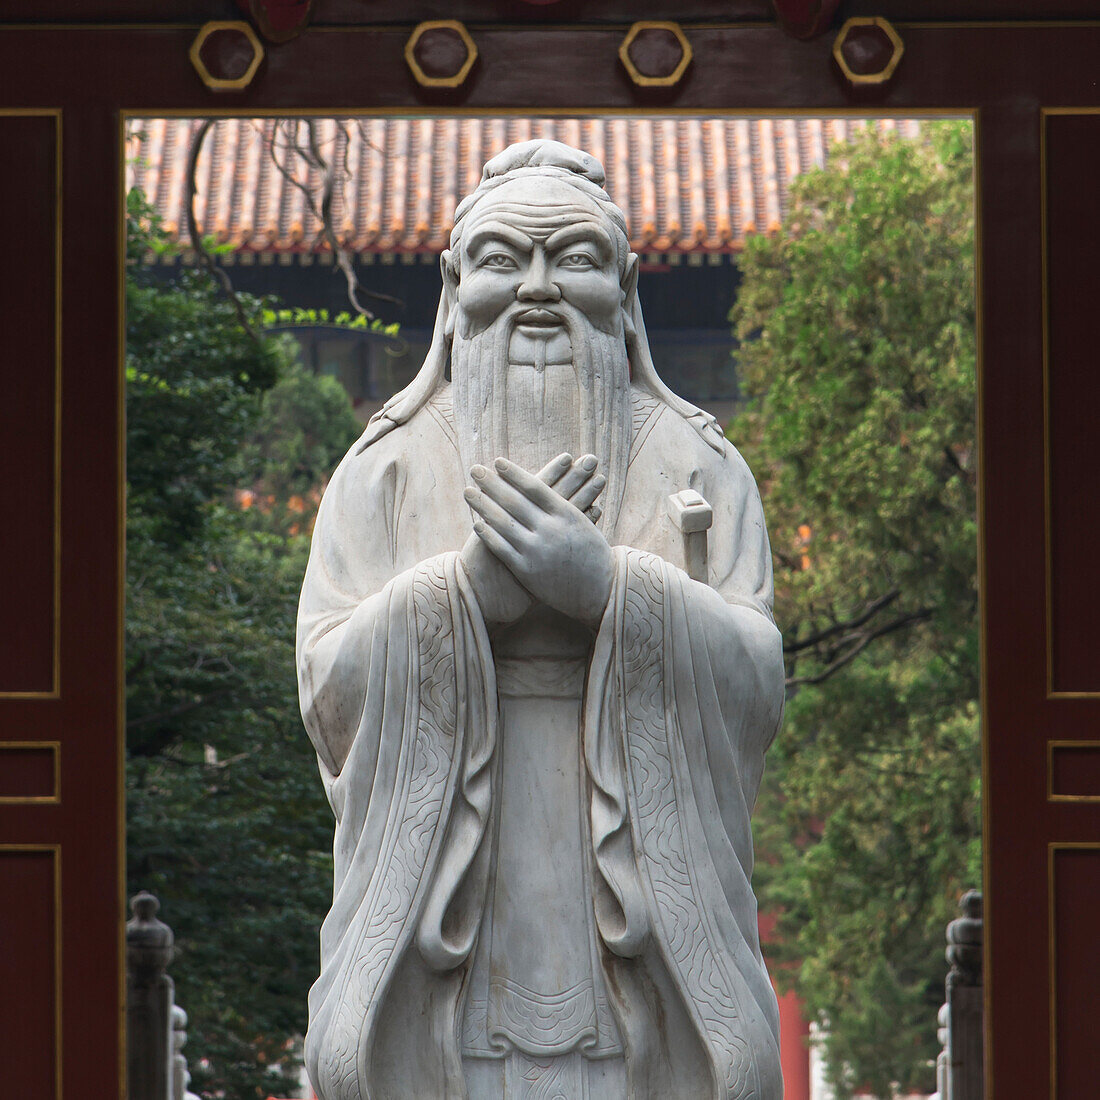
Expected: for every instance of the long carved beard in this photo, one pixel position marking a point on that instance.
(511, 411)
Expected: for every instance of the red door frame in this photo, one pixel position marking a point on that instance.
(61, 892)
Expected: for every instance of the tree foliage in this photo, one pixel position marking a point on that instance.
(226, 819)
(857, 330)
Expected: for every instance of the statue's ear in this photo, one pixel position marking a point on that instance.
(629, 283)
(450, 289)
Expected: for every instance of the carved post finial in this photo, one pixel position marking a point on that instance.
(149, 996)
(149, 941)
(144, 906)
(964, 941)
(965, 1067)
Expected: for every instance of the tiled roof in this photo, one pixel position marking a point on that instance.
(686, 184)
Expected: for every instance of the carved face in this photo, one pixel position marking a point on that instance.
(530, 250)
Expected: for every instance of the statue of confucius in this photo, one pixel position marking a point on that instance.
(540, 729)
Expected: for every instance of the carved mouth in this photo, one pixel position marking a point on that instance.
(539, 318)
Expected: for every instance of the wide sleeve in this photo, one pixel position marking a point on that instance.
(347, 601)
(398, 693)
(740, 565)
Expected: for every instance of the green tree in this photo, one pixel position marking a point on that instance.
(226, 820)
(857, 354)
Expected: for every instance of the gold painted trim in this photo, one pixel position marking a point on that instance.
(54, 691)
(1048, 529)
(36, 800)
(432, 111)
(997, 24)
(1048, 581)
(712, 25)
(120, 624)
(686, 53)
(55, 851)
(421, 77)
(121, 28)
(1051, 746)
(220, 84)
(886, 27)
(988, 907)
(1053, 848)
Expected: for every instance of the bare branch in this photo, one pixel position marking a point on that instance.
(362, 126)
(197, 242)
(343, 255)
(868, 613)
(284, 170)
(956, 464)
(859, 643)
(283, 145)
(178, 709)
(788, 561)
(323, 211)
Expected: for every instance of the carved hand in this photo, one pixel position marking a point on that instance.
(547, 542)
(500, 595)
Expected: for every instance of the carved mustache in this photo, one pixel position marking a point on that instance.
(548, 315)
(541, 313)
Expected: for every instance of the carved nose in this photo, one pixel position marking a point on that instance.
(538, 286)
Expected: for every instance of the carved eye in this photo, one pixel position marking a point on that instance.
(579, 260)
(499, 261)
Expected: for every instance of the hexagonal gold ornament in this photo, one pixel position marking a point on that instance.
(225, 84)
(640, 78)
(440, 80)
(859, 25)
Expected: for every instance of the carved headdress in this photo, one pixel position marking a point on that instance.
(584, 172)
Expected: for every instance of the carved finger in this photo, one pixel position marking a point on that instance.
(586, 495)
(499, 545)
(500, 520)
(555, 470)
(504, 524)
(529, 486)
(578, 474)
(594, 513)
(515, 503)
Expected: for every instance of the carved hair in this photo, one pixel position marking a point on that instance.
(583, 171)
(547, 159)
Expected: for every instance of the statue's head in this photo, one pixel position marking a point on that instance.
(540, 248)
(538, 284)
(539, 273)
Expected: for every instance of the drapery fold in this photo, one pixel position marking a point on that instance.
(677, 684)
(427, 730)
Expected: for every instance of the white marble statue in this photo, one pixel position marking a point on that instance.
(540, 693)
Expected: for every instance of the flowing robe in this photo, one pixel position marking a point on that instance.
(682, 696)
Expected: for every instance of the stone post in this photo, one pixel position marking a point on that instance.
(943, 1060)
(965, 1046)
(181, 1077)
(149, 997)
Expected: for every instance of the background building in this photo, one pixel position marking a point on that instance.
(693, 190)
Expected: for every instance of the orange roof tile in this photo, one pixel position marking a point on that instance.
(685, 184)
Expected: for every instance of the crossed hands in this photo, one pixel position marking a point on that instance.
(533, 541)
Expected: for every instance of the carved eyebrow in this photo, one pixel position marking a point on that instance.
(497, 231)
(571, 234)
